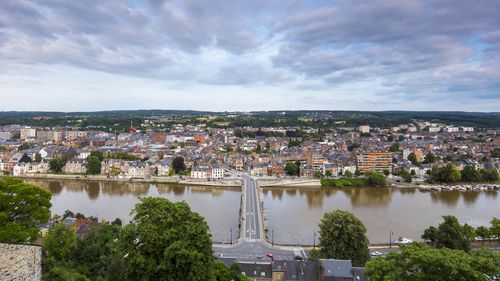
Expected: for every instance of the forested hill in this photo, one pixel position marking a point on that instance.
(311, 118)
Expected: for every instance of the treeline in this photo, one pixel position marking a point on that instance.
(450, 173)
(374, 178)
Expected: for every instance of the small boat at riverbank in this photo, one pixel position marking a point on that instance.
(475, 187)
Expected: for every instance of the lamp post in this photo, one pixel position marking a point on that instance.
(231, 233)
(314, 240)
(390, 239)
(272, 236)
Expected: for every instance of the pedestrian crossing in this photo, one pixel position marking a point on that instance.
(252, 239)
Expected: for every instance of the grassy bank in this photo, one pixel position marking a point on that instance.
(357, 182)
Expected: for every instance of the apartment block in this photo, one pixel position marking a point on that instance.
(374, 161)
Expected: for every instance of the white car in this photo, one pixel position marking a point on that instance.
(403, 240)
(376, 253)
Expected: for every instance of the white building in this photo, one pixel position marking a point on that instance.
(217, 173)
(199, 172)
(434, 129)
(5, 136)
(27, 133)
(451, 129)
(364, 129)
(468, 129)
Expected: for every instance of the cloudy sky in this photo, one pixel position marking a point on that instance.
(250, 55)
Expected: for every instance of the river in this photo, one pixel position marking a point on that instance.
(294, 213)
(110, 200)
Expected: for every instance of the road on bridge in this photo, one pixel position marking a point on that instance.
(252, 245)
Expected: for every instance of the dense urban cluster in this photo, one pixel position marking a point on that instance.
(201, 146)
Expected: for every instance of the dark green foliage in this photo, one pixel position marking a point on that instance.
(495, 228)
(495, 152)
(420, 262)
(166, 241)
(121, 155)
(56, 165)
(343, 236)
(449, 173)
(59, 247)
(98, 154)
(429, 158)
(291, 169)
(490, 175)
(406, 176)
(376, 179)
(413, 158)
(483, 232)
(38, 157)
(178, 164)
(449, 234)
(93, 165)
(359, 182)
(469, 173)
(25, 145)
(23, 207)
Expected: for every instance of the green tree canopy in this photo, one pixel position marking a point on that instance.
(449, 234)
(429, 158)
(394, 147)
(93, 165)
(178, 164)
(469, 173)
(413, 158)
(56, 165)
(343, 236)
(449, 173)
(495, 228)
(291, 169)
(23, 207)
(420, 262)
(59, 247)
(98, 154)
(376, 179)
(166, 241)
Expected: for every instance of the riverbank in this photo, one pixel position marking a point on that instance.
(153, 180)
(289, 182)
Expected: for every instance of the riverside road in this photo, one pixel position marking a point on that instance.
(252, 245)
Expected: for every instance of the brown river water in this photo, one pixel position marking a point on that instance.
(293, 213)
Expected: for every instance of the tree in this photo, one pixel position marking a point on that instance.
(406, 176)
(38, 157)
(291, 169)
(469, 232)
(178, 164)
(297, 163)
(96, 250)
(469, 173)
(59, 247)
(451, 234)
(328, 173)
(343, 236)
(429, 158)
(413, 158)
(420, 262)
(166, 239)
(489, 174)
(93, 165)
(495, 228)
(348, 174)
(430, 234)
(495, 153)
(23, 207)
(56, 165)
(25, 145)
(317, 174)
(386, 172)
(483, 232)
(394, 147)
(98, 154)
(376, 179)
(448, 173)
